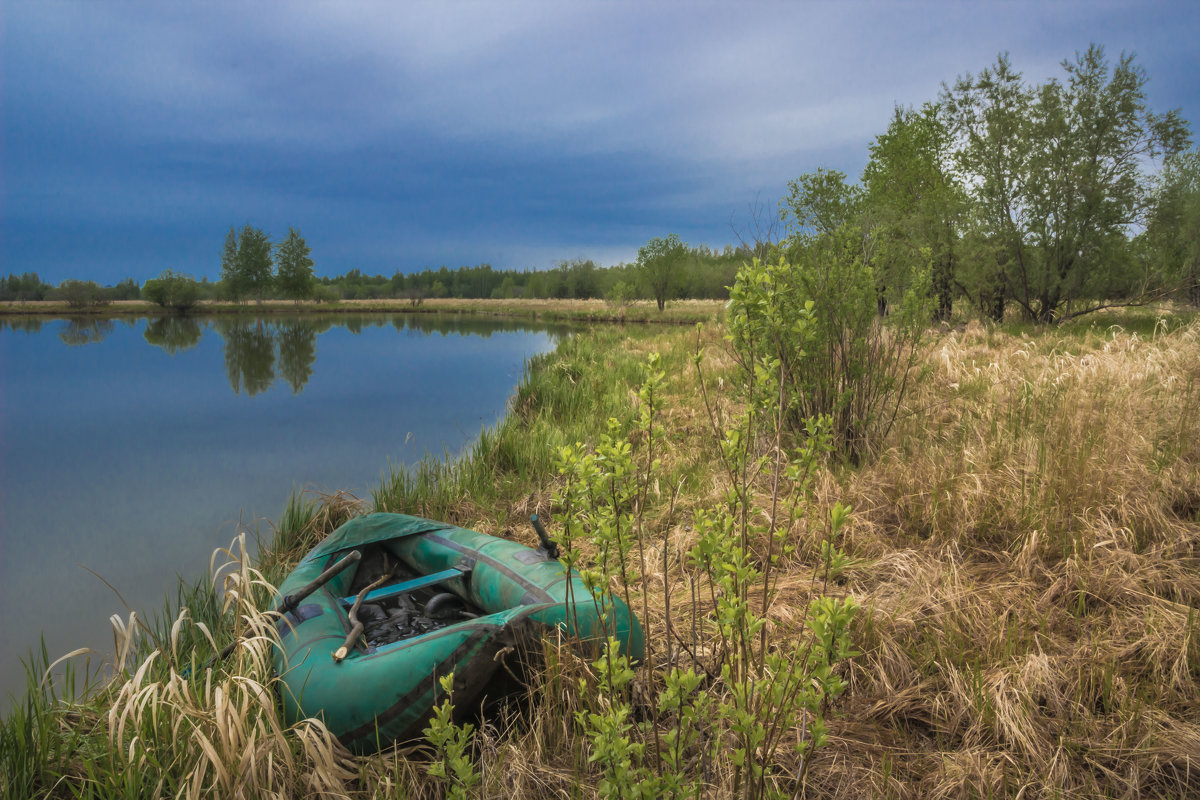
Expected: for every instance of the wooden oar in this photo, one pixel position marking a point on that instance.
(292, 601)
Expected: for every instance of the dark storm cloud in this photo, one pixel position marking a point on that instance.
(405, 135)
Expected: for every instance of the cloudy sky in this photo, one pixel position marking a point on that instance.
(400, 135)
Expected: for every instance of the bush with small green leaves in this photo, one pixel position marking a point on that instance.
(816, 321)
(620, 294)
(81, 294)
(172, 290)
(452, 766)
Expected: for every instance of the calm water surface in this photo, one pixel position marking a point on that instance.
(134, 448)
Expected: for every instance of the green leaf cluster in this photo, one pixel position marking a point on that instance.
(252, 267)
(452, 765)
(172, 290)
(810, 330)
(746, 701)
(660, 262)
(1057, 177)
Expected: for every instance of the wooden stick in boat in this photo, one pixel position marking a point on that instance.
(357, 626)
(293, 600)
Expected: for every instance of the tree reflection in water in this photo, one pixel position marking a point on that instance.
(173, 334)
(22, 324)
(249, 355)
(297, 351)
(76, 332)
(259, 350)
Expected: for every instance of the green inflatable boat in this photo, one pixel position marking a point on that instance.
(389, 603)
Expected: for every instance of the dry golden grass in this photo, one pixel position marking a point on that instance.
(1025, 550)
(1028, 559)
(221, 736)
(1026, 554)
(1032, 542)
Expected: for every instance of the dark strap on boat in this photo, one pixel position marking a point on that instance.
(406, 586)
(289, 621)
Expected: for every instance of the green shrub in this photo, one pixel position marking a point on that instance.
(815, 323)
(620, 294)
(81, 294)
(325, 294)
(172, 290)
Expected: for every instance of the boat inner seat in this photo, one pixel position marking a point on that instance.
(386, 592)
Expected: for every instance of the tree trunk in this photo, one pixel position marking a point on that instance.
(942, 291)
(996, 308)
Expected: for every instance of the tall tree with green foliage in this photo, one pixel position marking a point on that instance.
(660, 262)
(827, 223)
(294, 267)
(915, 202)
(23, 287)
(819, 203)
(230, 269)
(254, 262)
(1172, 231)
(1057, 174)
(815, 316)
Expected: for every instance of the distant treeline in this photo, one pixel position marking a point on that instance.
(28, 287)
(704, 274)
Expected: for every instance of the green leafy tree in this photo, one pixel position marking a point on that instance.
(1173, 228)
(813, 317)
(916, 202)
(620, 294)
(819, 203)
(254, 261)
(172, 290)
(506, 290)
(581, 278)
(231, 276)
(127, 289)
(660, 262)
(294, 267)
(827, 218)
(81, 294)
(24, 287)
(1055, 172)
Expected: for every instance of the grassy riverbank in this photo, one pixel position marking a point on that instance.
(1025, 556)
(679, 312)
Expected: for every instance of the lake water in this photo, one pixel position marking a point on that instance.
(134, 448)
